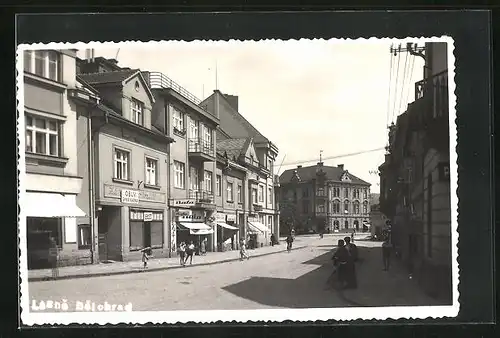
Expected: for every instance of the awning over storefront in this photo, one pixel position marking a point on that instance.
(201, 232)
(37, 204)
(227, 226)
(259, 226)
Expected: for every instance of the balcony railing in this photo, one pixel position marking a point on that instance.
(159, 80)
(436, 89)
(196, 145)
(201, 196)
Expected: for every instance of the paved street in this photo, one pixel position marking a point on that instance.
(281, 280)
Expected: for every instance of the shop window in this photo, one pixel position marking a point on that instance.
(45, 228)
(136, 235)
(84, 236)
(156, 234)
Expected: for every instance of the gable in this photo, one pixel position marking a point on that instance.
(345, 177)
(250, 152)
(137, 87)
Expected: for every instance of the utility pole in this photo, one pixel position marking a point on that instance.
(411, 48)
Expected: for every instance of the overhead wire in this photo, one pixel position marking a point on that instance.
(334, 157)
(391, 62)
(411, 78)
(405, 71)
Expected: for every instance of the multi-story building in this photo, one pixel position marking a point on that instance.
(52, 178)
(414, 178)
(193, 163)
(262, 211)
(319, 198)
(128, 170)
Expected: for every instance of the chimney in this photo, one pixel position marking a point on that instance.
(233, 101)
(340, 166)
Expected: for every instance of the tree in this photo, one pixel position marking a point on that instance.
(289, 214)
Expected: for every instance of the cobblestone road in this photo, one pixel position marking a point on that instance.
(283, 280)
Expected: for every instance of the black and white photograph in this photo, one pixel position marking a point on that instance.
(204, 181)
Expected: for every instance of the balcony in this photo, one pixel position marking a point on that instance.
(201, 196)
(201, 149)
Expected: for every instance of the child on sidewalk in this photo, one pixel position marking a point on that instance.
(146, 255)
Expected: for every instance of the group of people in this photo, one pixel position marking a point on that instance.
(344, 261)
(186, 252)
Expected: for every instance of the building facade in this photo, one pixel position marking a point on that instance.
(52, 178)
(193, 163)
(414, 178)
(324, 198)
(129, 167)
(262, 206)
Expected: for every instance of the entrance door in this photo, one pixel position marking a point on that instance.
(356, 224)
(146, 234)
(102, 230)
(346, 224)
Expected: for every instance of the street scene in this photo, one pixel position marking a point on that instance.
(299, 279)
(251, 175)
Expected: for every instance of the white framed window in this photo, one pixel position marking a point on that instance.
(356, 207)
(84, 236)
(240, 194)
(193, 129)
(206, 135)
(42, 136)
(137, 111)
(229, 191)
(218, 184)
(270, 164)
(44, 63)
(336, 207)
(254, 195)
(178, 119)
(346, 207)
(270, 196)
(208, 181)
(121, 162)
(365, 207)
(179, 172)
(194, 179)
(365, 193)
(151, 171)
(261, 193)
(346, 192)
(321, 208)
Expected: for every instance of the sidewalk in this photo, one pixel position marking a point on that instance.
(384, 288)
(154, 264)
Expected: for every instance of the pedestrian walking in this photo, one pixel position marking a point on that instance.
(182, 253)
(189, 253)
(273, 239)
(350, 266)
(289, 241)
(340, 258)
(243, 251)
(203, 247)
(351, 248)
(146, 256)
(386, 253)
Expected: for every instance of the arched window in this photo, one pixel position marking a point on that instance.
(346, 207)
(356, 224)
(336, 207)
(365, 207)
(356, 207)
(346, 224)
(336, 225)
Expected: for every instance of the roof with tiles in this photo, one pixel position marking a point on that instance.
(108, 77)
(309, 173)
(233, 147)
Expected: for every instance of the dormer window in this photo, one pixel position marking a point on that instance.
(137, 111)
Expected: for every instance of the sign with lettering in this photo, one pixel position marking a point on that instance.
(231, 218)
(130, 196)
(444, 171)
(195, 216)
(113, 191)
(253, 219)
(219, 216)
(182, 203)
(173, 238)
(148, 216)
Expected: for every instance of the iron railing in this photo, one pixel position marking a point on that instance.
(201, 196)
(436, 83)
(197, 145)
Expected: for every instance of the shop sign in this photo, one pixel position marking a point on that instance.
(444, 171)
(113, 191)
(253, 219)
(190, 216)
(231, 218)
(130, 196)
(148, 216)
(220, 217)
(182, 203)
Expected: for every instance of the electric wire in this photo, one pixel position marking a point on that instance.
(391, 62)
(405, 71)
(411, 78)
(333, 157)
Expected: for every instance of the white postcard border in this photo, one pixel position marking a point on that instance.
(241, 316)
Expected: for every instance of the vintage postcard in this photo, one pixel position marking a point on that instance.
(221, 181)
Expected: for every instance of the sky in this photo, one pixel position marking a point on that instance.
(306, 96)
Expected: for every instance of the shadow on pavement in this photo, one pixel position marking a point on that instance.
(308, 291)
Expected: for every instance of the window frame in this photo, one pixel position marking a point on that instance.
(126, 152)
(239, 192)
(178, 119)
(149, 169)
(137, 111)
(229, 192)
(82, 246)
(33, 130)
(270, 196)
(218, 185)
(255, 197)
(194, 171)
(207, 177)
(179, 175)
(48, 58)
(261, 194)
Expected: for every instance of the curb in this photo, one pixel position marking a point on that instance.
(127, 272)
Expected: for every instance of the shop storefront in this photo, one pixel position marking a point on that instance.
(259, 234)
(227, 232)
(130, 220)
(50, 225)
(191, 226)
